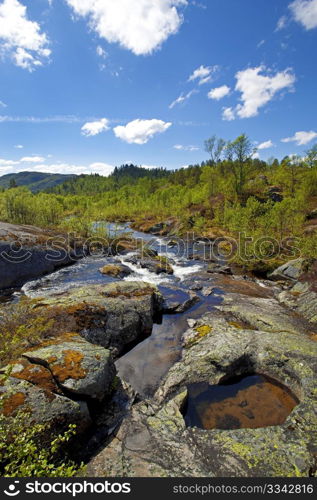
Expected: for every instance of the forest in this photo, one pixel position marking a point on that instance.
(231, 192)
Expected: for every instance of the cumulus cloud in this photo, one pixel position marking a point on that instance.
(258, 86)
(32, 159)
(140, 26)
(228, 114)
(180, 147)
(301, 138)
(265, 145)
(140, 131)
(94, 128)
(22, 39)
(203, 74)
(219, 92)
(305, 13)
(182, 98)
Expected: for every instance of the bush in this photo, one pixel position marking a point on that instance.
(22, 453)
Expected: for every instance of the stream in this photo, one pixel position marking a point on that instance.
(144, 365)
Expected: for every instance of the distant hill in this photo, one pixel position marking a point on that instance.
(35, 181)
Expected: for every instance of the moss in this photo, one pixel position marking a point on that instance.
(201, 332)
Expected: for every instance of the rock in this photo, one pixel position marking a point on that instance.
(27, 252)
(116, 270)
(191, 323)
(153, 440)
(312, 214)
(302, 298)
(218, 268)
(155, 264)
(262, 313)
(177, 300)
(292, 270)
(43, 406)
(79, 368)
(274, 193)
(207, 291)
(113, 315)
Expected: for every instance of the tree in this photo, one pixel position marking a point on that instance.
(240, 151)
(12, 183)
(215, 148)
(311, 156)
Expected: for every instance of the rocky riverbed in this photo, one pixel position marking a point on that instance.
(147, 332)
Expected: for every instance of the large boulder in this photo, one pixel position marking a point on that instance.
(291, 271)
(27, 252)
(42, 406)
(80, 369)
(112, 316)
(154, 441)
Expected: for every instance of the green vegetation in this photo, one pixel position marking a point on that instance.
(22, 453)
(233, 192)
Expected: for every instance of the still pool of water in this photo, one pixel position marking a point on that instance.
(250, 402)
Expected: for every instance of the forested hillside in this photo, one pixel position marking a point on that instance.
(34, 181)
(233, 192)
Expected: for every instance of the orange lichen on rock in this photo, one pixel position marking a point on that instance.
(11, 403)
(71, 367)
(35, 374)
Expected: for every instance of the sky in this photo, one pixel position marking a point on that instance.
(90, 84)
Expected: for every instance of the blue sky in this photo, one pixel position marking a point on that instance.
(89, 84)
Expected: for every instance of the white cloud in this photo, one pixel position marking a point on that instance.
(228, 114)
(22, 39)
(140, 131)
(265, 145)
(203, 74)
(305, 13)
(94, 128)
(32, 159)
(58, 168)
(262, 42)
(140, 26)
(219, 92)
(257, 89)
(101, 52)
(180, 147)
(2, 104)
(281, 23)
(301, 138)
(182, 98)
(7, 163)
(19, 146)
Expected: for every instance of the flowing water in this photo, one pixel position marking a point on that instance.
(144, 365)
